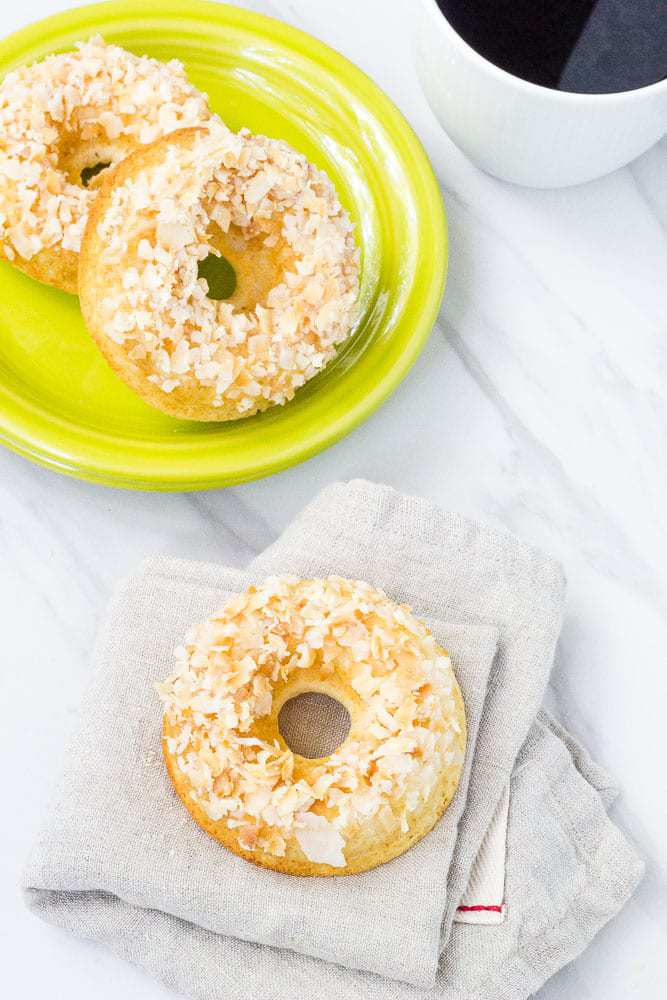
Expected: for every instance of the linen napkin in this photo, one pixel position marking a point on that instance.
(119, 828)
(568, 868)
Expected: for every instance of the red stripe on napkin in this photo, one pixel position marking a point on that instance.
(476, 909)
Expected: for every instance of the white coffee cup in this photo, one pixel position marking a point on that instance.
(523, 132)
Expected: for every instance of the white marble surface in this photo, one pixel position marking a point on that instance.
(540, 404)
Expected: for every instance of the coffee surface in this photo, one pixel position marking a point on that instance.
(584, 46)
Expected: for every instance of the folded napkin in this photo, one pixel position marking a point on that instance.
(120, 861)
(118, 828)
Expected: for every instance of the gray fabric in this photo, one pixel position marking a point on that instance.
(594, 774)
(568, 868)
(313, 725)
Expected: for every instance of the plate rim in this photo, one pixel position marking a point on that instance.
(44, 451)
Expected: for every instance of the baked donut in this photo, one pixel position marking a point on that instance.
(379, 793)
(61, 121)
(170, 209)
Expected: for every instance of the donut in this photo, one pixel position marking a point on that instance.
(195, 197)
(62, 121)
(370, 800)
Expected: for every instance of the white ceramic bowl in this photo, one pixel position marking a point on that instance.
(523, 132)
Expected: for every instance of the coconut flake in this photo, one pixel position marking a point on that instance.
(320, 841)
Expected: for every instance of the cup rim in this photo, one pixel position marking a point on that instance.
(548, 93)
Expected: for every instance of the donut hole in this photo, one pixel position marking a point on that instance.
(313, 724)
(220, 276)
(257, 268)
(88, 173)
(84, 161)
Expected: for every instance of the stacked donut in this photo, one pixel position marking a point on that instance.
(119, 182)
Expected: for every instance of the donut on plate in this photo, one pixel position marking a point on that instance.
(380, 792)
(62, 122)
(162, 217)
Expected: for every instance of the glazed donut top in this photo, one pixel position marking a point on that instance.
(157, 230)
(99, 90)
(226, 675)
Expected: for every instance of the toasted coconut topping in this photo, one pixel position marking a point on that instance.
(157, 231)
(99, 95)
(405, 733)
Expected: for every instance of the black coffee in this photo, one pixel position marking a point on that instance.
(585, 46)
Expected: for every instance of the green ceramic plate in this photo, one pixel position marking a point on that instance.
(59, 403)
